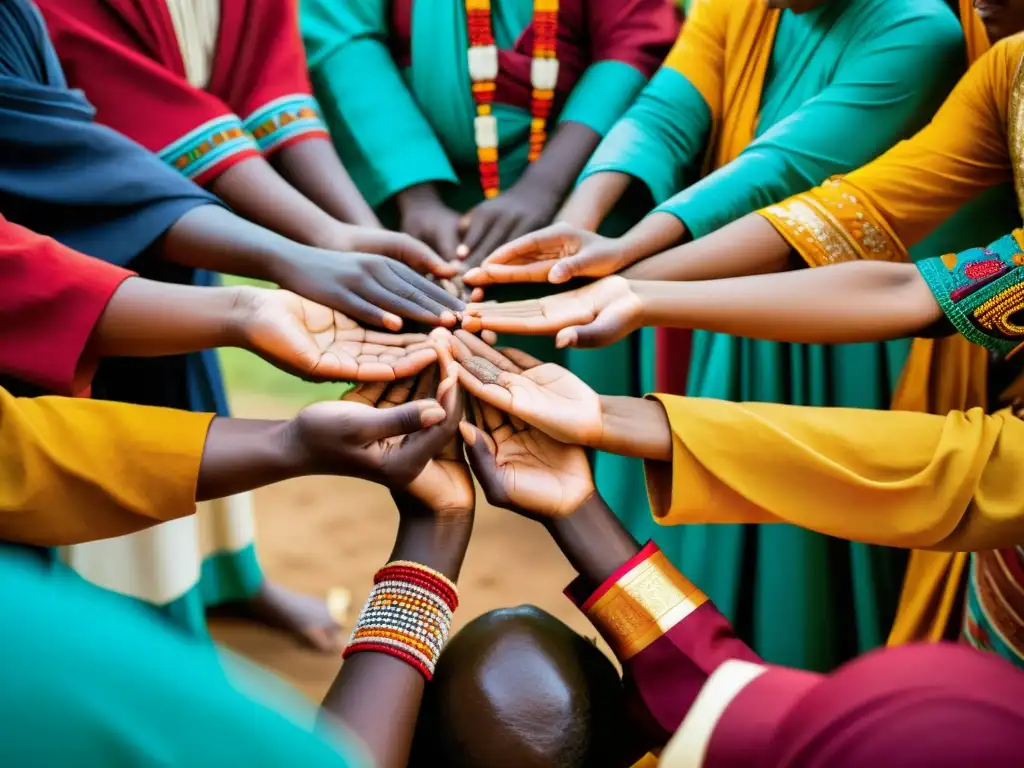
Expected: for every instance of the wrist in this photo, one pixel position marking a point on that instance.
(593, 540)
(437, 544)
(635, 426)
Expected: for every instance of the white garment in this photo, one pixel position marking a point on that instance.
(196, 24)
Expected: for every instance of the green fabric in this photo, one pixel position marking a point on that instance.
(961, 294)
(602, 95)
(844, 83)
(94, 679)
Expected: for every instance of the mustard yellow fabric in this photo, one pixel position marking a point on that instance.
(974, 31)
(75, 470)
(952, 483)
(730, 85)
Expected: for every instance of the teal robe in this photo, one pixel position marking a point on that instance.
(844, 83)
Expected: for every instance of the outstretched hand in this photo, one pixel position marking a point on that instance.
(319, 344)
(594, 316)
(543, 395)
(400, 247)
(554, 254)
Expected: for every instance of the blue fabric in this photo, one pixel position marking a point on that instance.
(90, 188)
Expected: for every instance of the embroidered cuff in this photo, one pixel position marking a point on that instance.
(833, 223)
(640, 602)
(210, 149)
(981, 290)
(284, 121)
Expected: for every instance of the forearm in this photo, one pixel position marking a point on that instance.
(593, 540)
(653, 234)
(149, 319)
(748, 246)
(633, 426)
(847, 303)
(376, 695)
(260, 194)
(243, 454)
(594, 199)
(560, 164)
(314, 169)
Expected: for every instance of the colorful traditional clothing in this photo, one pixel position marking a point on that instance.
(716, 703)
(899, 199)
(204, 84)
(752, 105)
(100, 193)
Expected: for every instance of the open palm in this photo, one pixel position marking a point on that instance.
(525, 470)
(543, 395)
(596, 315)
(320, 344)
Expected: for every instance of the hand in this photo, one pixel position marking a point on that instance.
(374, 290)
(444, 484)
(553, 255)
(388, 446)
(509, 216)
(543, 395)
(425, 217)
(318, 344)
(594, 316)
(522, 469)
(398, 246)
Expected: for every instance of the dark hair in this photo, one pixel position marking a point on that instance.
(518, 688)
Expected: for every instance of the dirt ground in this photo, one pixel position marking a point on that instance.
(317, 533)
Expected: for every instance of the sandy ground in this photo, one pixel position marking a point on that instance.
(317, 533)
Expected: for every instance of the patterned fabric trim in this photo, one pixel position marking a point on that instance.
(981, 290)
(643, 604)
(834, 223)
(208, 148)
(993, 618)
(284, 120)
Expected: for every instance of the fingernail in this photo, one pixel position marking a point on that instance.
(452, 369)
(556, 275)
(462, 251)
(433, 415)
(448, 318)
(468, 433)
(394, 322)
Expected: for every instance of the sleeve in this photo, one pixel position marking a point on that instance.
(269, 82)
(881, 210)
(981, 291)
(941, 703)
(894, 478)
(381, 136)
(871, 100)
(668, 637)
(188, 128)
(181, 702)
(76, 470)
(660, 139)
(628, 41)
(51, 300)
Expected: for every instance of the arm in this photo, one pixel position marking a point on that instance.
(902, 195)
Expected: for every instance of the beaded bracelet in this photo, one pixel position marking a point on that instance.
(408, 615)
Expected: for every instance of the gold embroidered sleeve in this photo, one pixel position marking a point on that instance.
(834, 223)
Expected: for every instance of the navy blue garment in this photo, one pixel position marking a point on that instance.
(94, 190)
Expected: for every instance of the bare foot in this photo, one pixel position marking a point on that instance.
(308, 619)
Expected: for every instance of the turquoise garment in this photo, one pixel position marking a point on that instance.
(844, 83)
(93, 679)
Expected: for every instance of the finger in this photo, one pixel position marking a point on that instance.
(479, 348)
(419, 447)
(365, 312)
(481, 453)
(491, 274)
(382, 295)
(394, 339)
(523, 360)
(419, 256)
(413, 362)
(397, 285)
(493, 394)
(493, 418)
(368, 394)
(530, 246)
(397, 392)
(423, 287)
(496, 236)
(582, 264)
(490, 337)
(476, 223)
(604, 330)
(415, 418)
(442, 340)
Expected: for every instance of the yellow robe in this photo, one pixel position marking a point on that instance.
(75, 470)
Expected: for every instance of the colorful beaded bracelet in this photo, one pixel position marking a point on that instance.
(408, 615)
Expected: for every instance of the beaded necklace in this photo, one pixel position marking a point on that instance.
(483, 71)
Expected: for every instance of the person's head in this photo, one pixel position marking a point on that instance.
(1001, 18)
(798, 6)
(517, 688)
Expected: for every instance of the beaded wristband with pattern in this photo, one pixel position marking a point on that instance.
(408, 615)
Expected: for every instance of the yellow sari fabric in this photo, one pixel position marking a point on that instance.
(952, 483)
(75, 470)
(731, 85)
(969, 146)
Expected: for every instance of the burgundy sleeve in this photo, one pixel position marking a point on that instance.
(636, 32)
(50, 301)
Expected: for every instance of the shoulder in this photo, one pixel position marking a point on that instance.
(911, 19)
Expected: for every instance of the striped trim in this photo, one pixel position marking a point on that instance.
(207, 147)
(284, 120)
(689, 747)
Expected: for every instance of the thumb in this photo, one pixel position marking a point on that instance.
(403, 419)
(421, 257)
(604, 330)
(482, 457)
(589, 262)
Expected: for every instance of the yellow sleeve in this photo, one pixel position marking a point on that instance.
(882, 209)
(699, 51)
(895, 478)
(74, 470)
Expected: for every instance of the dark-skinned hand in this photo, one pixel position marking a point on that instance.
(506, 217)
(424, 216)
(373, 290)
(443, 484)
